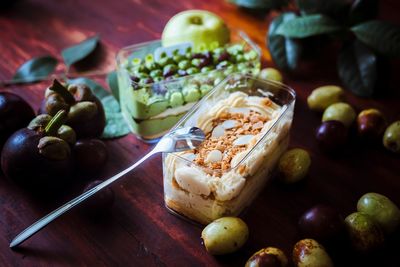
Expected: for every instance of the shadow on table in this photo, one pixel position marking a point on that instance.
(53, 256)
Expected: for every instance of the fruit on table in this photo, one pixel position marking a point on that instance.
(365, 234)
(270, 74)
(341, 111)
(294, 165)
(225, 235)
(36, 157)
(391, 137)
(331, 135)
(309, 253)
(66, 133)
(85, 111)
(199, 27)
(321, 222)
(268, 257)
(90, 155)
(101, 202)
(371, 123)
(381, 209)
(15, 113)
(324, 96)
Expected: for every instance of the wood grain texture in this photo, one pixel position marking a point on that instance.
(140, 231)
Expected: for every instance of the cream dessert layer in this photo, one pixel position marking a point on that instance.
(223, 175)
(174, 111)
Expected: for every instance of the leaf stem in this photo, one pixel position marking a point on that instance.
(56, 122)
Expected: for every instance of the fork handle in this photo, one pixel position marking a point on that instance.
(43, 222)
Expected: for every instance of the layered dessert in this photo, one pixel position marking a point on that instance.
(245, 136)
(159, 85)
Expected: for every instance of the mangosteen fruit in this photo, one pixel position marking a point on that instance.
(90, 155)
(37, 157)
(85, 111)
(15, 113)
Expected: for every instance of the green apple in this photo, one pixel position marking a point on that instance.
(200, 27)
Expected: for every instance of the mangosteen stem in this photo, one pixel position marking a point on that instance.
(63, 92)
(56, 122)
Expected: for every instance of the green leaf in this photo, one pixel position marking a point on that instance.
(112, 81)
(115, 122)
(116, 125)
(78, 52)
(307, 26)
(35, 69)
(110, 104)
(276, 22)
(380, 36)
(328, 7)
(362, 10)
(284, 51)
(357, 66)
(260, 4)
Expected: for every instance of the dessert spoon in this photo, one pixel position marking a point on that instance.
(179, 139)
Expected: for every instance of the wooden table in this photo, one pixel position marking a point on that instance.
(140, 231)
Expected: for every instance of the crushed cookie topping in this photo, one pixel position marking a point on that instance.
(233, 139)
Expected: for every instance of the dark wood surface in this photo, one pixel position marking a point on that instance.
(139, 231)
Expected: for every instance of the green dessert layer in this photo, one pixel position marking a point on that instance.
(151, 128)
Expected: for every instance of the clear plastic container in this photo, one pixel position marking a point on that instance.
(202, 194)
(152, 109)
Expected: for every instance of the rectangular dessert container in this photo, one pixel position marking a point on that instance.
(152, 106)
(255, 116)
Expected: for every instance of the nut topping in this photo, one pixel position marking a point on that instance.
(231, 135)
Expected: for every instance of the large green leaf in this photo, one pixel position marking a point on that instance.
(328, 7)
(260, 4)
(35, 69)
(115, 122)
(111, 106)
(307, 26)
(116, 125)
(284, 51)
(112, 81)
(79, 51)
(380, 36)
(357, 66)
(276, 22)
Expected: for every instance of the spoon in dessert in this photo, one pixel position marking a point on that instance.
(179, 139)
